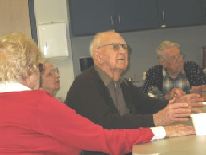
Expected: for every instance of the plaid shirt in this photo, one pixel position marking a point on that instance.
(156, 80)
(180, 81)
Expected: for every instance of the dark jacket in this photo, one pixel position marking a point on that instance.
(154, 76)
(90, 98)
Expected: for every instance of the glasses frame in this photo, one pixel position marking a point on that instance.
(174, 59)
(116, 46)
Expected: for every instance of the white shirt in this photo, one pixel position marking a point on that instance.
(12, 86)
(159, 132)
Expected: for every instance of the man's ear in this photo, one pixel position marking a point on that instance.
(161, 62)
(98, 56)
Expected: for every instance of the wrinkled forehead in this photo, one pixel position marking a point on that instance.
(172, 51)
(111, 37)
(48, 67)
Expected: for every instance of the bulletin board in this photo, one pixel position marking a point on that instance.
(52, 39)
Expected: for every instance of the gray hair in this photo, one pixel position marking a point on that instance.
(96, 41)
(165, 45)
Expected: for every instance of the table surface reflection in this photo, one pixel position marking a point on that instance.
(185, 145)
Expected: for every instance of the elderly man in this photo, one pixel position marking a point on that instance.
(173, 77)
(101, 95)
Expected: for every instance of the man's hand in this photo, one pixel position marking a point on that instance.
(179, 109)
(175, 92)
(189, 98)
(179, 130)
(198, 89)
(194, 100)
(172, 113)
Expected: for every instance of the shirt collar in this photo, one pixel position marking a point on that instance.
(12, 86)
(165, 73)
(105, 78)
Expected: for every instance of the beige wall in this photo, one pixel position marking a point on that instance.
(14, 16)
(48, 11)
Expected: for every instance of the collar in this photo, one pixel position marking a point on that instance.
(12, 86)
(104, 77)
(165, 73)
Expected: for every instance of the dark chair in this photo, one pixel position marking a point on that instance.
(85, 63)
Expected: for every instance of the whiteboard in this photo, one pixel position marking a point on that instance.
(52, 39)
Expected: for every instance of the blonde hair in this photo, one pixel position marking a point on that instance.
(165, 45)
(19, 57)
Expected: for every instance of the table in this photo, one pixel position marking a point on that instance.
(185, 145)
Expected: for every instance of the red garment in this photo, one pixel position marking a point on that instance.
(32, 122)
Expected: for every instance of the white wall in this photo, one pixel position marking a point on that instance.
(48, 11)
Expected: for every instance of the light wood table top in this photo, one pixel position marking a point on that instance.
(185, 145)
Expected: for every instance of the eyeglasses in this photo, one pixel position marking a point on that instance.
(52, 72)
(116, 46)
(174, 58)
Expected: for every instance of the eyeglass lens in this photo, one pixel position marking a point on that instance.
(118, 46)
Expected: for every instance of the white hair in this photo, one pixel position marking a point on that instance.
(165, 45)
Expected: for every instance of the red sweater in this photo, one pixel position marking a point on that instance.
(32, 122)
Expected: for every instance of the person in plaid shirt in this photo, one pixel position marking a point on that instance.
(173, 76)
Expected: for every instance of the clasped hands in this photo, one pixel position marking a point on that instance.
(179, 109)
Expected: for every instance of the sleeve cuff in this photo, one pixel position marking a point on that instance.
(159, 132)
